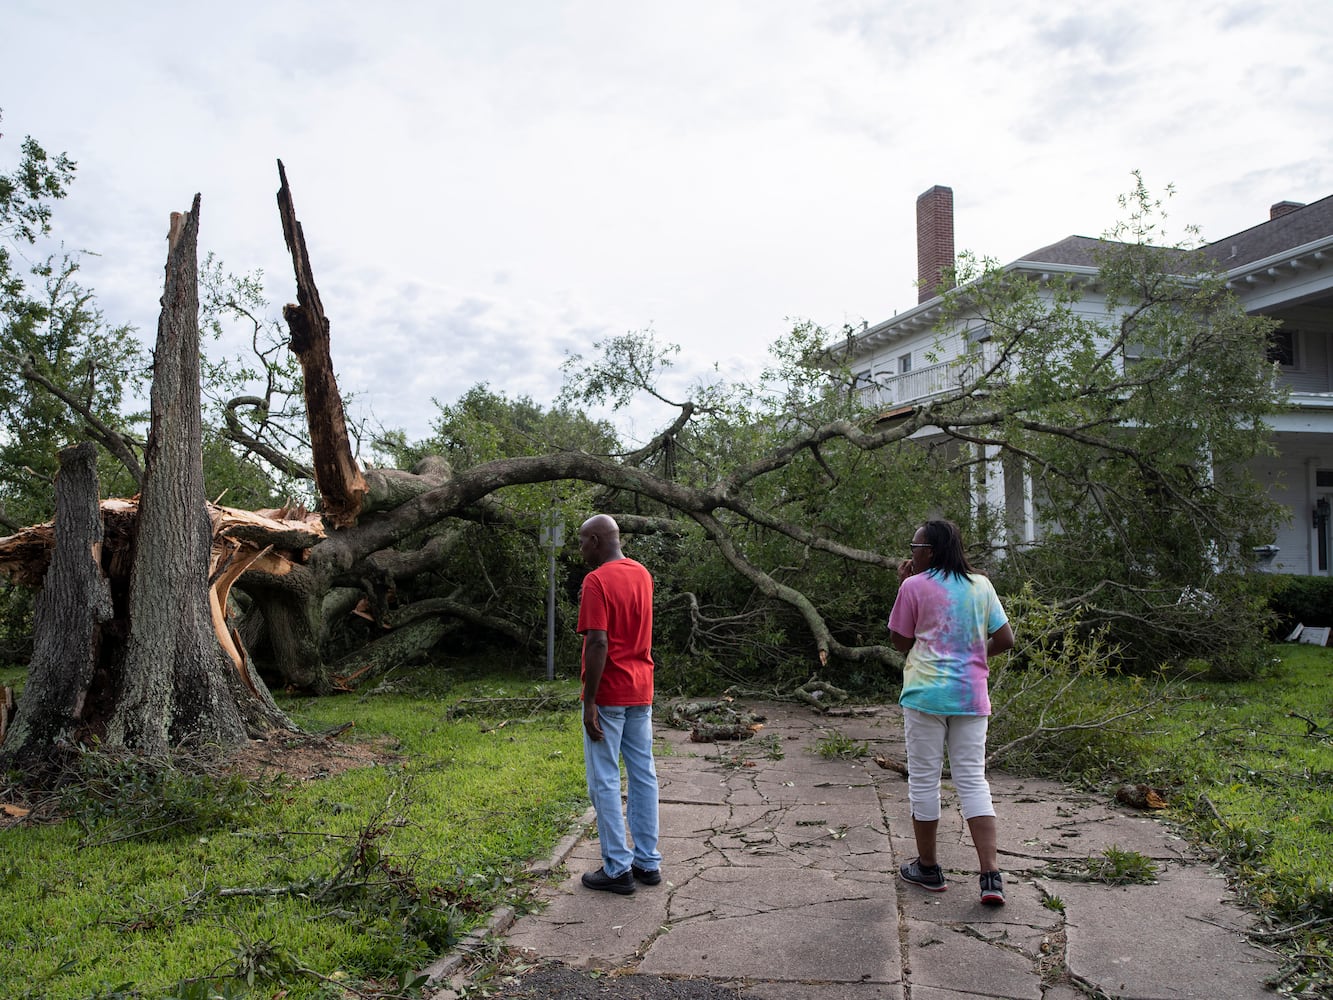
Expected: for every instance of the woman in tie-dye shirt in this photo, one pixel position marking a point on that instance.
(948, 620)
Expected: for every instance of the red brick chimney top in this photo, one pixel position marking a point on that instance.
(1282, 208)
(934, 240)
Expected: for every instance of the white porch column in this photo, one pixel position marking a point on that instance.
(1022, 506)
(990, 496)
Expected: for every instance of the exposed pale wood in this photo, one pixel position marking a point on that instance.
(271, 540)
(224, 569)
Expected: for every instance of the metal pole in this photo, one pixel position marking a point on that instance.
(550, 612)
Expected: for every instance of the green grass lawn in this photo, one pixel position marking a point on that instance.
(352, 880)
(443, 833)
(1252, 765)
(1246, 767)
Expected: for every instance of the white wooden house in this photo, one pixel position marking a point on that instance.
(1282, 267)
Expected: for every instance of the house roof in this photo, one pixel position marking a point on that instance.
(1301, 231)
(1297, 228)
(1077, 250)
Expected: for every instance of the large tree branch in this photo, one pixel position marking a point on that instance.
(117, 444)
(687, 411)
(825, 643)
(447, 608)
(236, 432)
(389, 488)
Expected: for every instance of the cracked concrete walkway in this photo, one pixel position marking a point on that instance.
(780, 880)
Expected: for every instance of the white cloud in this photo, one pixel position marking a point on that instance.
(486, 186)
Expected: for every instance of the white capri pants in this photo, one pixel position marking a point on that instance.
(965, 736)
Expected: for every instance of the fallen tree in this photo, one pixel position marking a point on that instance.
(788, 498)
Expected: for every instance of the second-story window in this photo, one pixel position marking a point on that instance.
(1282, 348)
(904, 364)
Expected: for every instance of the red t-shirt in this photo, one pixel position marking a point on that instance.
(617, 599)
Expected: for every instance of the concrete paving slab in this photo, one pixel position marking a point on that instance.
(774, 887)
(1063, 992)
(684, 782)
(1081, 827)
(1177, 940)
(931, 993)
(589, 930)
(835, 941)
(760, 990)
(691, 819)
(781, 878)
(950, 957)
(961, 904)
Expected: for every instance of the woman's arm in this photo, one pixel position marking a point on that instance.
(1000, 640)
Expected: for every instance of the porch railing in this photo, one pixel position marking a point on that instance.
(923, 384)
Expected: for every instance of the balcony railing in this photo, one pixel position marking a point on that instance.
(922, 384)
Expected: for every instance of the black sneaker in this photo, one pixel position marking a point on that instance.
(927, 876)
(648, 876)
(992, 889)
(622, 884)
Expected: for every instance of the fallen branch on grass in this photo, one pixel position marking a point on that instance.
(508, 706)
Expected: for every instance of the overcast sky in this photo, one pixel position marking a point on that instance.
(486, 185)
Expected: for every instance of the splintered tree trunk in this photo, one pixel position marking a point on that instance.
(338, 478)
(179, 686)
(74, 603)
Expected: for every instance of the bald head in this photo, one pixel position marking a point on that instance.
(599, 540)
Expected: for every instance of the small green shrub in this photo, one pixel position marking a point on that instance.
(770, 747)
(1300, 600)
(1112, 867)
(1117, 867)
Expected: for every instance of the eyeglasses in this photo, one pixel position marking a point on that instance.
(918, 545)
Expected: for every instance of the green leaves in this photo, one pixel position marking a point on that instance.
(25, 207)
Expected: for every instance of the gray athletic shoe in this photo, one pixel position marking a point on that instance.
(927, 876)
(992, 889)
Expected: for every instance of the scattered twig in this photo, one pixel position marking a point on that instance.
(1289, 933)
(503, 706)
(890, 764)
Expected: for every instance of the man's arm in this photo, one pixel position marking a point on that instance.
(594, 665)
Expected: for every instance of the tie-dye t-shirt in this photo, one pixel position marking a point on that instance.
(950, 617)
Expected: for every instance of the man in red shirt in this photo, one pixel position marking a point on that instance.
(616, 622)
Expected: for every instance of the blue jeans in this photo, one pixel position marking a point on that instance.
(627, 732)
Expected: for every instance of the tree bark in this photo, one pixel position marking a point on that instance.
(179, 685)
(337, 477)
(294, 627)
(409, 644)
(71, 610)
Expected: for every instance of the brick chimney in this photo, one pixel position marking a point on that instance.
(934, 240)
(1282, 208)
